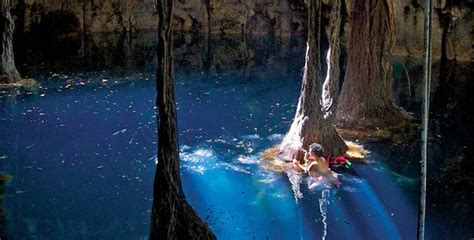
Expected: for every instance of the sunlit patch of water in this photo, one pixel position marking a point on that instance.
(275, 138)
(268, 178)
(248, 159)
(319, 183)
(251, 137)
(235, 168)
(349, 189)
(350, 179)
(199, 160)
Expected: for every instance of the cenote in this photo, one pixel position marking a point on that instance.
(81, 148)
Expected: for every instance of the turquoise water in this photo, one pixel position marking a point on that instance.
(81, 150)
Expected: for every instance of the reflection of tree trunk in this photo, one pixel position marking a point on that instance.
(172, 216)
(8, 71)
(84, 19)
(442, 101)
(366, 100)
(209, 14)
(20, 15)
(447, 20)
(309, 125)
(209, 48)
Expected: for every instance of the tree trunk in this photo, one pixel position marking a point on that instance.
(172, 216)
(366, 101)
(8, 72)
(310, 125)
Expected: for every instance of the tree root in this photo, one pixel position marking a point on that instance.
(394, 132)
(27, 83)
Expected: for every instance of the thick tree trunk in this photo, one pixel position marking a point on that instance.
(366, 101)
(8, 72)
(172, 216)
(309, 124)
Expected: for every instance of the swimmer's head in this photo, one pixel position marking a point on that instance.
(316, 149)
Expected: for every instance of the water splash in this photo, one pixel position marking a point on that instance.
(199, 161)
(248, 159)
(295, 181)
(323, 208)
(276, 137)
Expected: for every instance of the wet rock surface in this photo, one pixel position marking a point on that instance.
(279, 18)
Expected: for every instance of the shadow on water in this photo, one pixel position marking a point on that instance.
(450, 166)
(80, 148)
(3, 222)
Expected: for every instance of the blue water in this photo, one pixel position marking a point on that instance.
(81, 151)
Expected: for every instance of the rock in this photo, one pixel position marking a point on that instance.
(58, 24)
(409, 24)
(280, 18)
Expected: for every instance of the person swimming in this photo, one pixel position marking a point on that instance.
(315, 164)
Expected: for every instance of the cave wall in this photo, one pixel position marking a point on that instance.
(218, 16)
(409, 24)
(277, 17)
(93, 15)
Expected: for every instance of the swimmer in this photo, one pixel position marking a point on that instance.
(316, 165)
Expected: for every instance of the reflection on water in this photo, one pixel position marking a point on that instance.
(82, 148)
(216, 55)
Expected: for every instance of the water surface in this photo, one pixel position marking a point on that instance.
(81, 149)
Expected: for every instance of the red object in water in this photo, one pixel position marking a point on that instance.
(339, 160)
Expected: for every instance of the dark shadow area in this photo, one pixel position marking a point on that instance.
(4, 233)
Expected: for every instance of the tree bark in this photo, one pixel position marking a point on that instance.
(366, 101)
(172, 216)
(310, 125)
(8, 72)
(335, 34)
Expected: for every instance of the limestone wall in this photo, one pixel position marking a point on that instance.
(277, 17)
